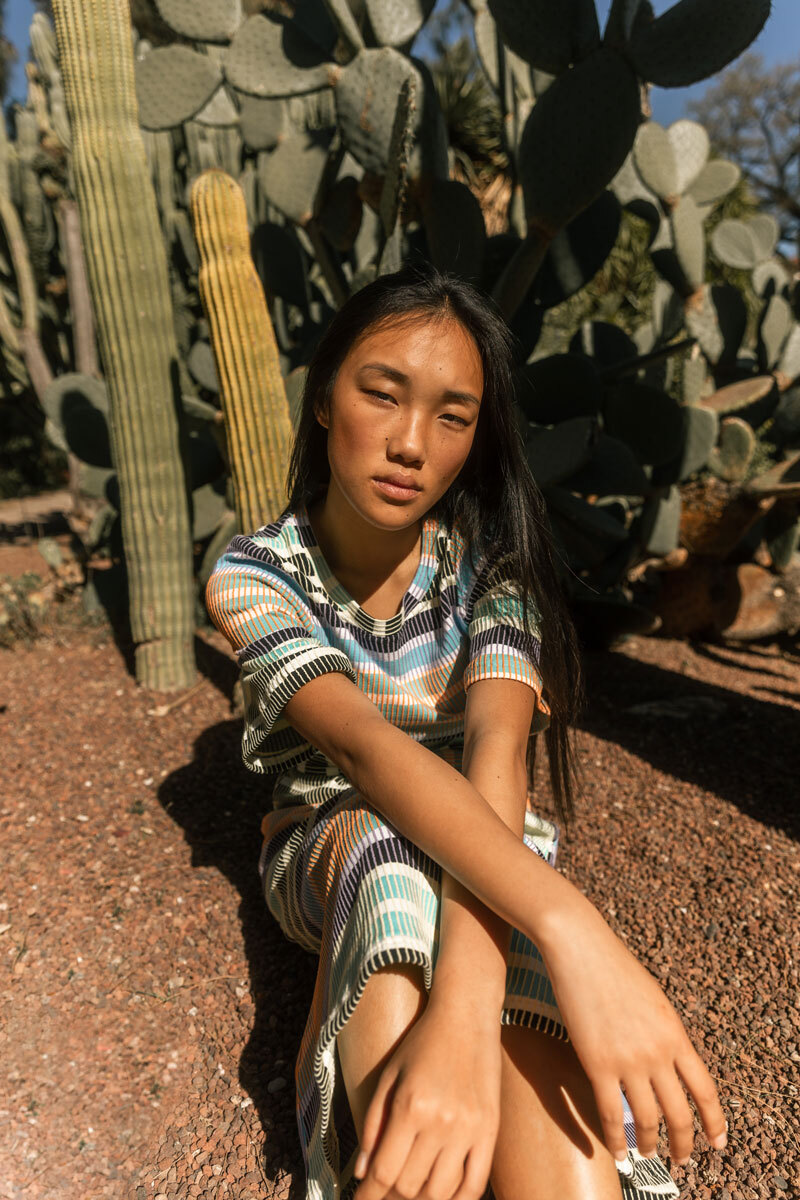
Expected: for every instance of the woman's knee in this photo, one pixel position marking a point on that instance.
(553, 1070)
(392, 1001)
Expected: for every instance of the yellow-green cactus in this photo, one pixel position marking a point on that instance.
(253, 397)
(127, 270)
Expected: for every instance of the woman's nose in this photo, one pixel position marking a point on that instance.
(408, 438)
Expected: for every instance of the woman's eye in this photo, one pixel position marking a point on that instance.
(450, 417)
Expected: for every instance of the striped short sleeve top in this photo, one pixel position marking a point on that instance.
(289, 619)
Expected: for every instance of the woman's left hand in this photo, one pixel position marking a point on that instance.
(433, 1120)
(625, 1031)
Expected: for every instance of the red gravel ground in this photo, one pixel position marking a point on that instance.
(152, 1010)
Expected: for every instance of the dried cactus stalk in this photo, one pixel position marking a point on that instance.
(127, 269)
(251, 387)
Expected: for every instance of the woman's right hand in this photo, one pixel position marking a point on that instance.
(625, 1031)
(433, 1120)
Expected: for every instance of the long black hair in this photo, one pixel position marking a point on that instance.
(493, 502)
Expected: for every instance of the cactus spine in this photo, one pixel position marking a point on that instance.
(127, 270)
(246, 354)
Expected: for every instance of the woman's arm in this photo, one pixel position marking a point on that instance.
(621, 1024)
(472, 960)
(432, 804)
(473, 940)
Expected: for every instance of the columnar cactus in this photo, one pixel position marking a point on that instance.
(251, 388)
(128, 276)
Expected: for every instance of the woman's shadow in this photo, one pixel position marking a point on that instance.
(220, 804)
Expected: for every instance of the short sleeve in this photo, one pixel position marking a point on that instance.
(500, 644)
(279, 645)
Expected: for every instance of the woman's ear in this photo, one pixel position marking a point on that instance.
(321, 418)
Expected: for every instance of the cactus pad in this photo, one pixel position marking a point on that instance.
(262, 122)
(395, 22)
(577, 253)
(613, 469)
(220, 111)
(559, 387)
(789, 364)
(689, 241)
(766, 231)
(173, 83)
(202, 368)
(202, 20)
(700, 428)
(732, 456)
(366, 95)
(647, 419)
(556, 454)
(661, 521)
(752, 399)
(77, 405)
(656, 161)
(691, 146)
(695, 38)
(395, 179)
(271, 58)
(454, 228)
(771, 278)
(735, 245)
(716, 179)
(589, 115)
(548, 36)
(290, 175)
(774, 328)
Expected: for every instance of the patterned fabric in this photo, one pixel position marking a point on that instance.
(289, 620)
(342, 881)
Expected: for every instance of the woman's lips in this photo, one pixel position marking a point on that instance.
(399, 493)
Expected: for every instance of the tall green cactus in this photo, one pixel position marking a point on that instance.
(128, 276)
(253, 396)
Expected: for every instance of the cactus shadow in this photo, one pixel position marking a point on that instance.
(219, 805)
(739, 745)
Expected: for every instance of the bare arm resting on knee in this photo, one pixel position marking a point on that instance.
(431, 803)
(472, 962)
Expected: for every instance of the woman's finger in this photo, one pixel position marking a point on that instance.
(376, 1116)
(611, 1113)
(389, 1157)
(642, 1101)
(477, 1170)
(424, 1153)
(677, 1113)
(447, 1173)
(697, 1078)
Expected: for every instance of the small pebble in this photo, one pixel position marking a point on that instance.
(276, 1084)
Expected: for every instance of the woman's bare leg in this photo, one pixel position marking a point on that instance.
(393, 1000)
(550, 1143)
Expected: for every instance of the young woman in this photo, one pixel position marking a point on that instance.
(402, 640)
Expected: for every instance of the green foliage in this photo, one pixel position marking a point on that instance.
(354, 155)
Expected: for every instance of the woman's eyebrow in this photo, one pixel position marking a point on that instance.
(400, 377)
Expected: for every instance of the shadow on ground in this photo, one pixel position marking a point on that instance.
(741, 747)
(219, 804)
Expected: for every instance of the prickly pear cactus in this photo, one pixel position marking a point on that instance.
(128, 278)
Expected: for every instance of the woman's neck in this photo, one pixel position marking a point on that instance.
(358, 551)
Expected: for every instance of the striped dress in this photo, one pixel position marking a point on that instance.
(341, 880)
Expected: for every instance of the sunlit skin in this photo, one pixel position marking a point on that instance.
(379, 424)
(440, 1102)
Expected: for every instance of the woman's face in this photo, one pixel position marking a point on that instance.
(405, 402)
